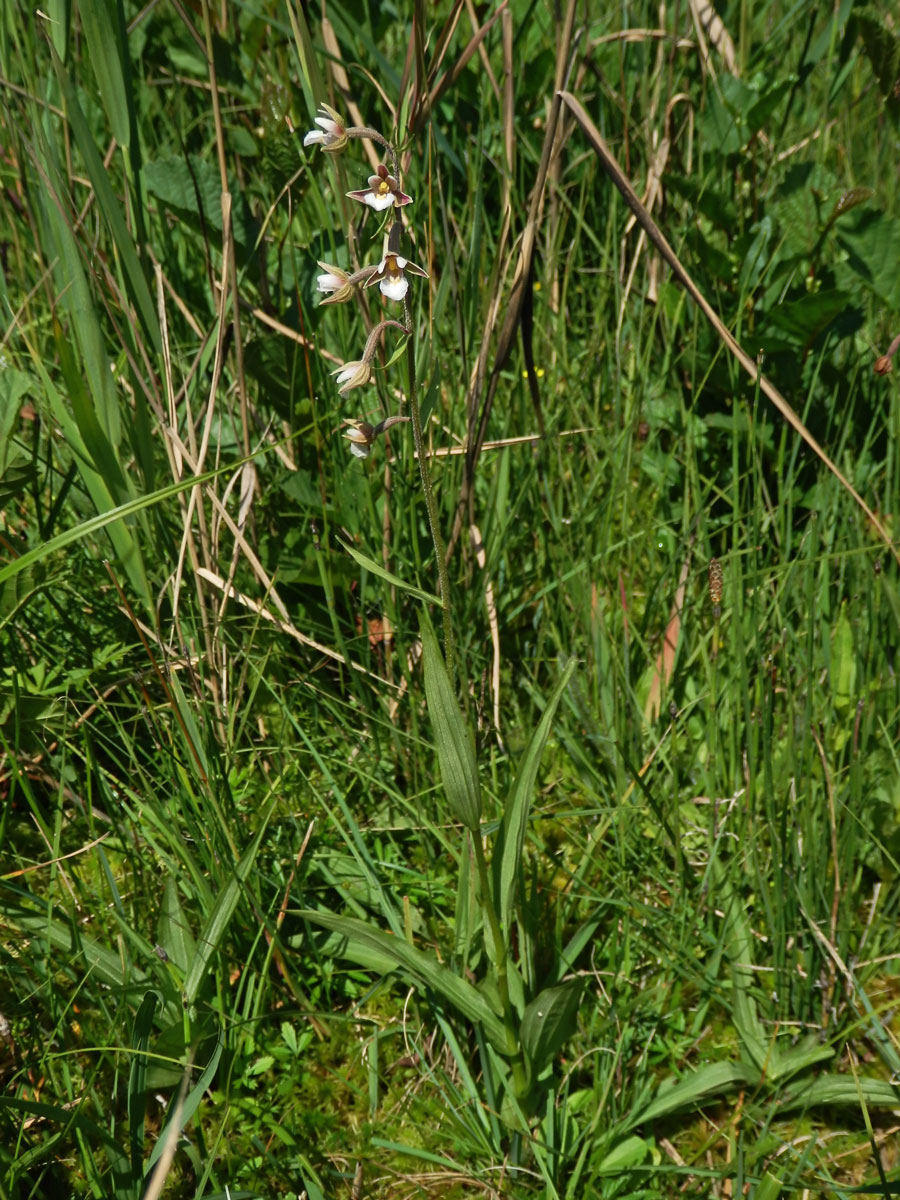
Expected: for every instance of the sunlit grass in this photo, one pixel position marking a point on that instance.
(213, 719)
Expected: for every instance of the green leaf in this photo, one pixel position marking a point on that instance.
(100, 22)
(768, 1188)
(111, 209)
(220, 918)
(456, 755)
(518, 805)
(630, 1153)
(183, 1112)
(374, 568)
(173, 930)
(549, 1021)
(826, 1090)
(192, 189)
(883, 49)
(843, 662)
(423, 969)
(73, 1119)
(714, 1079)
(137, 1079)
(79, 952)
(95, 524)
(14, 385)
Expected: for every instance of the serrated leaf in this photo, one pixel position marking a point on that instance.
(883, 49)
(192, 188)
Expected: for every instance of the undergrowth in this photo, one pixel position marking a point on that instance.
(606, 904)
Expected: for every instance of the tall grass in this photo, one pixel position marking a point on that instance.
(246, 912)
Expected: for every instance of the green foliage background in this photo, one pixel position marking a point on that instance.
(215, 749)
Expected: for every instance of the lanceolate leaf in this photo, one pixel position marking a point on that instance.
(456, 756)
(112, 210)
(715, 1079)
(549, 1022)
(220, 919)
(99, 19)
(518, 805)
(423, 969)
(826, 1090)
(375, 568)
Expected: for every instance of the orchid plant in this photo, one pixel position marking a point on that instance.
(392, 275)
(522, 1035)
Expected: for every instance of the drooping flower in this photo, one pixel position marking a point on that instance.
(352, 375)
(339, 283)
(361, 436)
(391, 276)
(358, 373)
(332, 136)
(335, 281)
(383, 191)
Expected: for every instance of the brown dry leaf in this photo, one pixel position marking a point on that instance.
(707, 19)
(665, 662)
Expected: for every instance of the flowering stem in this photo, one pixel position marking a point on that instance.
(430, 505)
(365, 131)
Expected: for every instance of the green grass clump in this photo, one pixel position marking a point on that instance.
(573, 873)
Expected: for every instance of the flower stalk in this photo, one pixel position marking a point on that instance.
(392, 275)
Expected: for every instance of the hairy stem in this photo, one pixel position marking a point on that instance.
(430, 505)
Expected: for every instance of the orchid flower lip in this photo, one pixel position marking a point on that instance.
(395, 288)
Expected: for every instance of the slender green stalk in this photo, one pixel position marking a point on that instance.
(428, 492)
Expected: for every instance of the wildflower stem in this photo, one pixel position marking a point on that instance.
(430, 505)
(365, 131)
